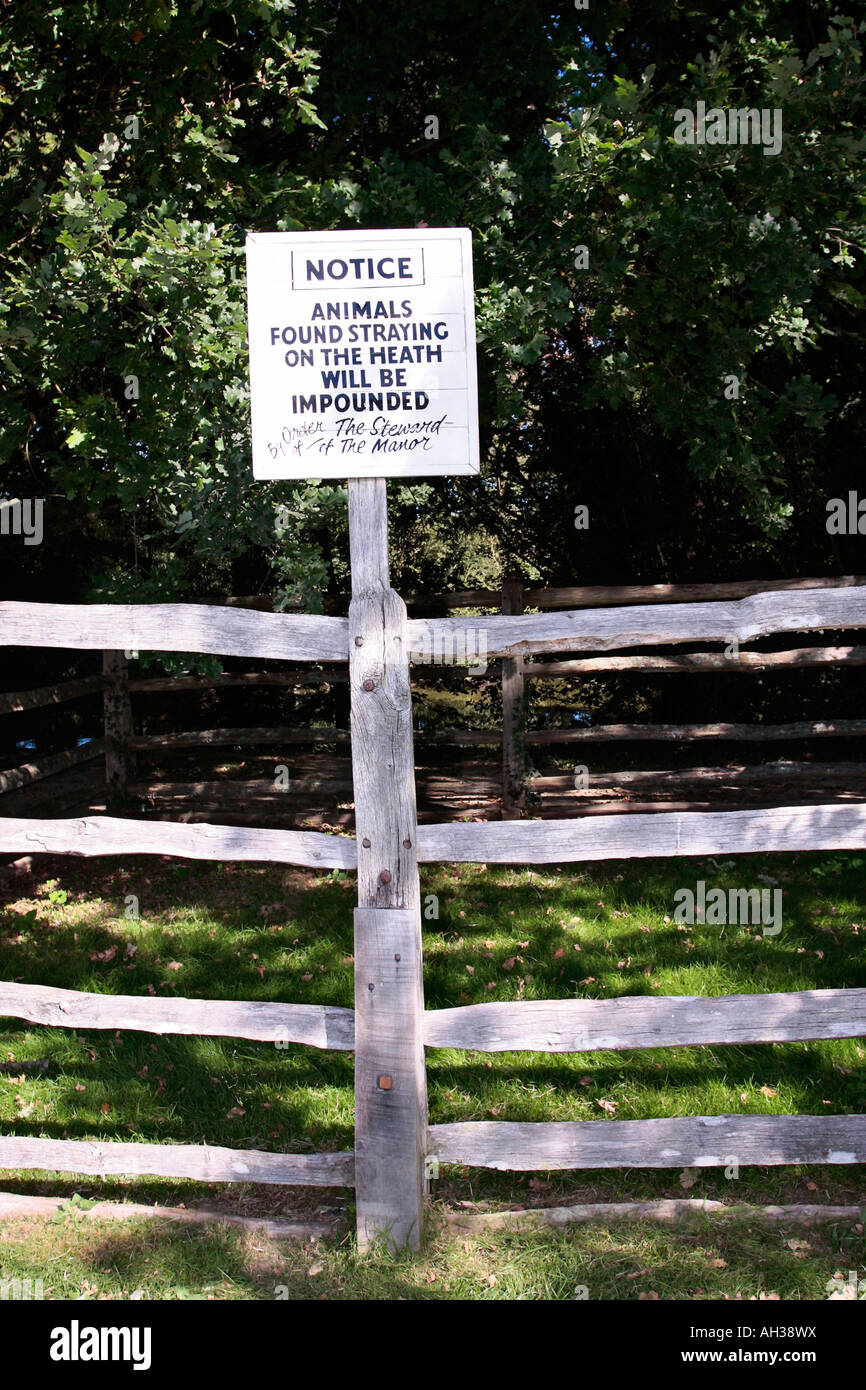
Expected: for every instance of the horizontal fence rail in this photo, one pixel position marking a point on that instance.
(601, 1025)
(662, 835)
(175, 627)
(613, 595)
(96, 835)
(198, 1161)
(738, 775)
(215, 738)
(641, 836)
(673, 733)
(549, 1025)
(216, 794)
(12, 701)
(316, 1025)
(611, 629)
(307, 637)
(656, 733)
(703, 1141)
(698, 662)
(148, 685)
(49, 766)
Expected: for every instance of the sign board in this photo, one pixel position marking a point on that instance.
(362, 353)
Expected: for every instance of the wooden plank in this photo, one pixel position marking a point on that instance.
(22, 776)
(174, 627)
(315, 1025)
(702, 1141)
(611, 595)
(13, 700)
(149, 685)
(611, 629)
(458, 736)
(698, 662)
(216, 738)
(595, 1025)
(657, 733)
(669, 1210)
(638, 836)
(215, 793)
(607, 595)
(117, 713)
(276, 813)
(841, 773)
(672, 733)
(585, 808)
(513, 717)
(390, 1075)
(97, 835)
(15, 1206)
(198, 1161)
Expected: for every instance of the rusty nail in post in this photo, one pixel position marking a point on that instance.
(365, 842)
(369, 685)
(371, 987)
(407, 843)
(384, 1082)
(397, 956)
(385, 876)
(359, 641)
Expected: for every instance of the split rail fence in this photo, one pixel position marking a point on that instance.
(396, 1149)
(121, 745)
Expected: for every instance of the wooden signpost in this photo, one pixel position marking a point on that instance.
(362, 366)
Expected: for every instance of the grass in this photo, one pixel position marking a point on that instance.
(231, 931)
(87, 1260)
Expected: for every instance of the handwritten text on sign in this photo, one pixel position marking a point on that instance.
(362, 353)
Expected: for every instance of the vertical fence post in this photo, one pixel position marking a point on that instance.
(117, 711)
(513, 703)
(390, 1075)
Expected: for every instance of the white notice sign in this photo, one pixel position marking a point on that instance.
(362, 353)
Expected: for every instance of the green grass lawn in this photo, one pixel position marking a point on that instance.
(227, 931)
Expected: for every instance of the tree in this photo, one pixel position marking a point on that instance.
(141, 142)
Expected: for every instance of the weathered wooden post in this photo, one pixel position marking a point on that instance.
(117, 711)
(390, 1076)
(513, 716)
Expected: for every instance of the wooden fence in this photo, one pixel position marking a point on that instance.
(121, 743)
(388, 1029)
